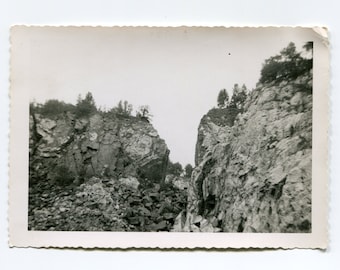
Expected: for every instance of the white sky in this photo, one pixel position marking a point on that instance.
(178, 72)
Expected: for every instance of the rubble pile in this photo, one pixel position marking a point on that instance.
(105, 205)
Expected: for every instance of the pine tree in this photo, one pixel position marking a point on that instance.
(239, 96)
(188, 170)
(174, 168)
(222, 99)
(288, 65)
(127, 108)
(85, 107)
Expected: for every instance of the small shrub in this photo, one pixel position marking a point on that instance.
(144, 113)
(85, 107)
(51, 108)
(174, 168)
(188, 170)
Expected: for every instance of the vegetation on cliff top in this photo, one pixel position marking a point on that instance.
(85, 107)
(227, 109)
(288, 65)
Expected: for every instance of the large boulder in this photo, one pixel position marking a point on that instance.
(179, 182)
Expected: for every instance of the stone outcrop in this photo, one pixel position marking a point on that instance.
(103, 146)
(103, 173)
(255, 175)
(210, 133)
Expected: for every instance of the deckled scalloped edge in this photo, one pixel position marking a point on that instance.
(321, 31)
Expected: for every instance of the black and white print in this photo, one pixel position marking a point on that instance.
(174, 133)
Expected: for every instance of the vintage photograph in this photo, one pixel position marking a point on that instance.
(184, 130)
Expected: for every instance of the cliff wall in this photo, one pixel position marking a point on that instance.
(117, 147)
(102, 173)
(254, 175)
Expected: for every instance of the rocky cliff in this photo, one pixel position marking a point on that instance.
(99, 173)
(254, 174)
(102, 146)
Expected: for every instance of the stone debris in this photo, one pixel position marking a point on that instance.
(104, 205)
(131, 182)
(179, 182)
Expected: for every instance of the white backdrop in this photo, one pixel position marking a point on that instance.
(171, 12)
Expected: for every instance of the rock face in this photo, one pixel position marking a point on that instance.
(103, 173)
(255, 175)
(211, 131)
(102, 146)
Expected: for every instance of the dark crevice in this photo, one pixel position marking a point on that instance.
(240, 227)
(276, 191)
(209, 203)
(36, 136)
(199, 183)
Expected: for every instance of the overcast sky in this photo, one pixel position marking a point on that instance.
(178, 72)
